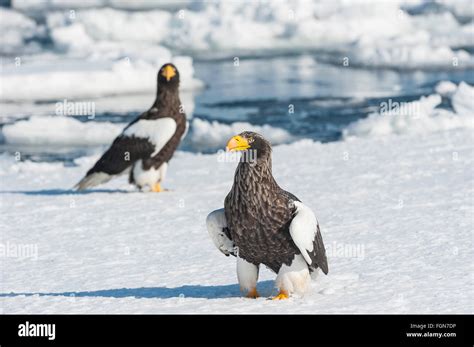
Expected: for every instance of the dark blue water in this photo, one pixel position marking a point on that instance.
(308, 98)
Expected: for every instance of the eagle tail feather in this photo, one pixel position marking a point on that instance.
(92, 180)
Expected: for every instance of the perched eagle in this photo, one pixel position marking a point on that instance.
(264, 224)
(146, 145)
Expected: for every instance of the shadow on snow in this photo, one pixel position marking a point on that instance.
(64, 191)
(187, 291)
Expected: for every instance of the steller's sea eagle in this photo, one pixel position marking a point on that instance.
(146, 145)
(264, 224)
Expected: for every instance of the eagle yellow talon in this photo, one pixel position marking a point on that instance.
(156, 188)
(252, 294)
(281, 296)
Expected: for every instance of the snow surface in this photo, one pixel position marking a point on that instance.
(118, 105)
(68, 131)
(417, 117)
(400, 206)
(54, 79)
(47, 5)
(421, 116)
(15, 29)
(214, 135)
(387, 35)
(105, 47)
(394, 198)
(446, 88)
(60, 130)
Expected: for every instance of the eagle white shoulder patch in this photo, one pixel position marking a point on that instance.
(157, 131)
(216, 223)
(185, 131)
(303, 229)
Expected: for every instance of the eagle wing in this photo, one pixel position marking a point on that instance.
(217, 227)
(304, 230)
(123, 152)
(141, 139)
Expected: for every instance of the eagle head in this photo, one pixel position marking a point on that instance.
(249, 140)
(168, 75)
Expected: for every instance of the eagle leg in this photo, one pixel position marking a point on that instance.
(282, 295)
(156, 188)
(252, 294)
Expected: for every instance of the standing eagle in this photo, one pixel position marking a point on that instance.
(264, 224)
(146, 145)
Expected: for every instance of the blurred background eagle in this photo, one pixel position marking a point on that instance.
(147, 144)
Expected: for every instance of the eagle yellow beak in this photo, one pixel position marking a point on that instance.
(237, 143)
(168, 72)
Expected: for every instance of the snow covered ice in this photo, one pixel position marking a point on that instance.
(393, 233)
(369, 108)
(421, 116)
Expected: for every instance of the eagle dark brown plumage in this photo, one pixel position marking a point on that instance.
(147, 144)
(263, 224)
